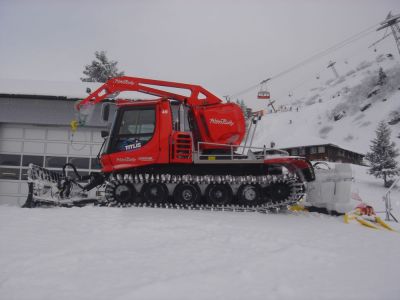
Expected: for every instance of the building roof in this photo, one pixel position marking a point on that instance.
(42, 112)
(42, 102)
(307, 141)
(319, 144)
(45, 89)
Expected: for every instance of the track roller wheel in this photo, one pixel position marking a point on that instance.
(277, 192)
(249, 194)
(122, 193)
(155, 192)
(218, 194)
(187, 194)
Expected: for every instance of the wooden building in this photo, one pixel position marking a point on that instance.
(327, 152)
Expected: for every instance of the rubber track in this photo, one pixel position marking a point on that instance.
(43, 175)
(271, 206)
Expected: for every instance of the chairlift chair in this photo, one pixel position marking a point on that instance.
(263, 93)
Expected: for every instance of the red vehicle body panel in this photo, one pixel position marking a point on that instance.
(213, 122)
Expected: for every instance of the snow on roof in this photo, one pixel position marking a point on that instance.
(306, 141)
(46, 88)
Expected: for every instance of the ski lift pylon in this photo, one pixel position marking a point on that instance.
(263, 93)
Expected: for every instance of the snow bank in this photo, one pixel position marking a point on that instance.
(138, 253)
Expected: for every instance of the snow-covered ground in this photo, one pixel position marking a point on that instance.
(147, 253)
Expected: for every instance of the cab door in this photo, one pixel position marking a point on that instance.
(134, 139)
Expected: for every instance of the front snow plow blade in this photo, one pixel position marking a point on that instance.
(49, 188)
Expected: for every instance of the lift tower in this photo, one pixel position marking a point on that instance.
(392, 22)
(332, 65)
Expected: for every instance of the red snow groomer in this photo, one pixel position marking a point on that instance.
(181, 149)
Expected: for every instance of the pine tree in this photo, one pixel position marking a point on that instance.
(383, 155)
(244, 108)
(101, 69)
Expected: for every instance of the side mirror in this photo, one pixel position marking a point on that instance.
(105, 112)
(104, 134)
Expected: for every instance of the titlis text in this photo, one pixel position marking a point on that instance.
(133, 146)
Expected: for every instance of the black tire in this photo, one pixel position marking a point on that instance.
(218, 194)
(277, 192)
(187, 194)
(123, 193)
(155, 192)
(249, 194)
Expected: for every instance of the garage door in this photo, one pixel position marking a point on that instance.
(46, 146)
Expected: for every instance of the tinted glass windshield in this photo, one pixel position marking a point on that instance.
(136, 128)
(138, 122)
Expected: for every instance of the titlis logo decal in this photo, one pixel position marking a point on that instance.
(125, 81)
(133, 146)
(221, 122)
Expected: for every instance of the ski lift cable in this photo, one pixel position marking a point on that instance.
(357, 52)
(302, 83)
(381, 39)
(327, 51)
(312, 58)
(325, 70)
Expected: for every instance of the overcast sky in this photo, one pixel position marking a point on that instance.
(226, 46)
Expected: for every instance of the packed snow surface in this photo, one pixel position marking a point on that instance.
(148, 253)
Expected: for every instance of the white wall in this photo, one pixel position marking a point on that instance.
(40, 142)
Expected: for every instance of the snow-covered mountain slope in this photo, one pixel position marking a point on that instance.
(344, 111)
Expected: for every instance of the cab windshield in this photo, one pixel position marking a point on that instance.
(135, 128)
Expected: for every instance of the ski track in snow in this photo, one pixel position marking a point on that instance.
(147, 253)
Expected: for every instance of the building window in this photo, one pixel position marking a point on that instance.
(10, 160)
(313, 150)
(79, 162)
(302, 151)
(295, 151)
(55, 161)
(34, 159)
(95, 164)
(24, 174)
(9, 173)
(321, 149)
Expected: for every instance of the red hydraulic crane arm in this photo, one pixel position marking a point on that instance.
(198, 95)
